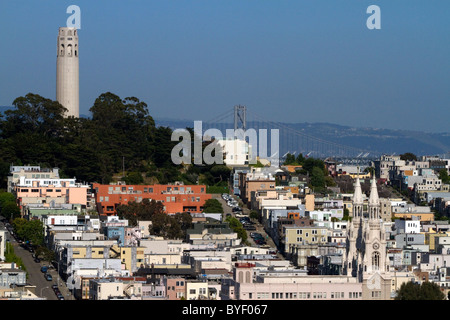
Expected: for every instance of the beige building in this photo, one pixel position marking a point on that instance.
(196, 290)
(309, 202)
(105, 289)
(131, 257)
(297, 235)
(385, 210)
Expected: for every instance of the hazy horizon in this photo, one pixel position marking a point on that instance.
(291, 61)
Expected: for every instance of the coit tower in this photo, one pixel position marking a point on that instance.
(67, 71)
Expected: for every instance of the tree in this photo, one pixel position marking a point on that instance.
(134, 178)
(185, 220)
(443, 175)
(45, 253)
(139, 211)
(290, 159)
(370, 170)
(237, 227)
(254, 214)
(220, 173)
(300, 159)
(6, 197)
(10, 210)
(29, 230)
(346, 216)
(212, 206)
(415, 291)
(408, 156)
(329, 182)
(317, 178)
(8, 206)
(161, 225)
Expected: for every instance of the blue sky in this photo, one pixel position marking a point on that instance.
(289, 61)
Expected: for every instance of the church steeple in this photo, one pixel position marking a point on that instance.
(374, 201)
(358, 202)
(365, 257)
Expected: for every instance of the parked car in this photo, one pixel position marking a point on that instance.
(44, 269)
(60, 296)
(48, 277)
(260, 241)
(37, 260)
(244, 220)
(249, 227)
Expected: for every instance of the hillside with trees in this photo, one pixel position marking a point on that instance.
(119, 141)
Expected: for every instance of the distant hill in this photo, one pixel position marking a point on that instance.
(4, 108)
(376, 139)
(380, 140)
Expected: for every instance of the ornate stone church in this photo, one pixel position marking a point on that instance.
(366, 254)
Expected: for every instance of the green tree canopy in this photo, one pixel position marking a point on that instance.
(10, 210)
(29, 230)
(408, 156)
(443, 175)
(212, 206)
(414, 291)
(237, 227)
(139, 211)
(317, 178)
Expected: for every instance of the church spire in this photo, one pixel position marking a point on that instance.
(358, 202)
(374, 199)
(357, 195)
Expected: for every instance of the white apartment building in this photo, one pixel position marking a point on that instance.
(236, 151)
(407, 226)
(29, 172)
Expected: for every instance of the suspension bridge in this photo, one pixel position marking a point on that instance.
(293, 138)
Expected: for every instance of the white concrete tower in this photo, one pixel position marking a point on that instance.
(67, 71)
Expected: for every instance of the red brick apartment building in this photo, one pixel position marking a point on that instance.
(176, 198)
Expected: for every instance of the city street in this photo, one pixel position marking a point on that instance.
(35, 276)
(246, 211)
